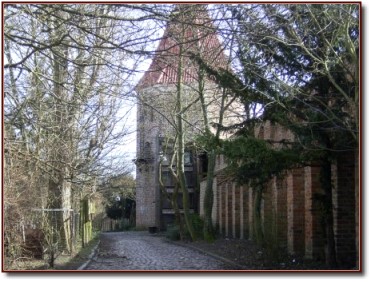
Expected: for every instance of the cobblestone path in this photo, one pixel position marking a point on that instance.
(143, 251)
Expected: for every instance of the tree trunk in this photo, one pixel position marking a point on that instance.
(173, 199)
(330, 250)
(86, 224)
(61, 190)
(182, 178)
(258, 228)
(209, 232)
(181, 148)
(208, 228)
(185, 196)
(66, 214)
(178, 218)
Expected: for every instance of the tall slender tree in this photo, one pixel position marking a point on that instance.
(64, 85)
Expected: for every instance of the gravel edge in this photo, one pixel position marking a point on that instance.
(91, 256)
(215, 256)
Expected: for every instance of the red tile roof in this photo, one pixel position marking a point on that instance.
(199, 38)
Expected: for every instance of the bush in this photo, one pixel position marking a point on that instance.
(198, 225)
(173, 233)
(114, 212)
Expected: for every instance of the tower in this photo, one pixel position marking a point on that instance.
(188, 33)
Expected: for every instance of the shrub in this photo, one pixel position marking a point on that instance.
(173, 233)
(198, 225)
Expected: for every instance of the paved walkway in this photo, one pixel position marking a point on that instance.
(143, 251)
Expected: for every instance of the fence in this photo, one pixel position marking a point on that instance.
(109, 225)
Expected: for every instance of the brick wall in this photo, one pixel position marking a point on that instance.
(295, 212)
(291, 211)
(357, 207)
(344, 209)
(281, 211)
(314, 237)
(268, 213)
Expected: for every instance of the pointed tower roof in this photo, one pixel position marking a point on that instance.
(191, 27)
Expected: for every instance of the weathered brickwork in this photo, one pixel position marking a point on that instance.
(314, 239)
(357, 207)
(292, 215)
(344, 208)
(295, 211)
(282, 219)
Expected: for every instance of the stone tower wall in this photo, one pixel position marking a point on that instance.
(156, 116)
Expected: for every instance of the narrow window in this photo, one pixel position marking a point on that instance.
(152, 115)
(187, 158)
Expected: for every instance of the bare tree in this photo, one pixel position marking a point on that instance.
(64, 84)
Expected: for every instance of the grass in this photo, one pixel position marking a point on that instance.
(81, 256)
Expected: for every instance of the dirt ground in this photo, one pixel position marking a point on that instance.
(251, 257)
